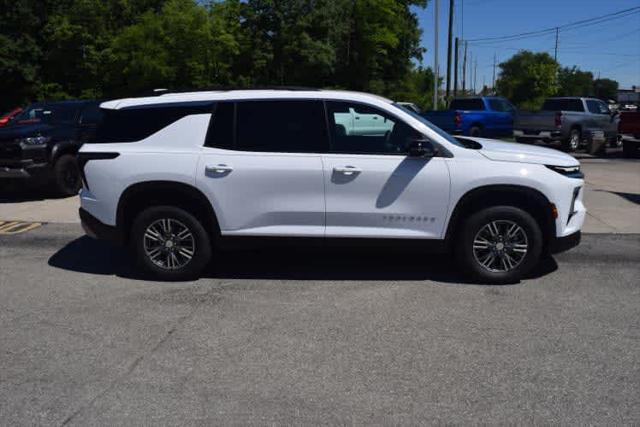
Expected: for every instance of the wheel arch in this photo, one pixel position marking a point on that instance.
(63, 147)
(140, 196)
(526, 198)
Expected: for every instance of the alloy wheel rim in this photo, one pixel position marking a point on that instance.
(575, 141)
(500, 246)
(169, 244)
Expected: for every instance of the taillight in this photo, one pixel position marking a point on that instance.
(457, 119)
(558, 119)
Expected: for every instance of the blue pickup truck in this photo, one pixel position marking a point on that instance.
(475, 116)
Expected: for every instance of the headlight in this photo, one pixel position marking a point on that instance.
(569, 171)
(34, 140)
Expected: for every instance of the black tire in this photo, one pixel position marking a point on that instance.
(616, 142)
(201, 247)
(505, 216)
(475, 131)
(66, 175)
(573, 142)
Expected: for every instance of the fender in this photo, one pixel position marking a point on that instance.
(142, 194)
(64, 147)
(528, 198)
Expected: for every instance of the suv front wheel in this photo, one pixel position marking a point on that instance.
(500, 244)
(66, 174)
(170, 243)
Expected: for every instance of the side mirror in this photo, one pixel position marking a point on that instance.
(421, 147)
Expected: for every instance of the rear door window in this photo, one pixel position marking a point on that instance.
(287, 126)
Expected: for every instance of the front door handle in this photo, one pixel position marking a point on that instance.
(221, 168)
(347, 170)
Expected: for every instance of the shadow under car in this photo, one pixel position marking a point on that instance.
(87, 255)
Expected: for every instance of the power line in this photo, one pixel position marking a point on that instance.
(576, 24)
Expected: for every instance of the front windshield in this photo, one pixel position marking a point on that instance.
(430, 125)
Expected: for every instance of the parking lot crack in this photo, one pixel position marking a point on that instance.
(145, 354)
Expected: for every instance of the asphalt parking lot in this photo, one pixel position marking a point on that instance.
(317, 336)
(293, 337)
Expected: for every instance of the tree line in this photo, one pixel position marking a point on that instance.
(527, 78)
(57, 49)
(60, 49)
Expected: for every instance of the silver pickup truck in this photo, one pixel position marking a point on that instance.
(572, 121)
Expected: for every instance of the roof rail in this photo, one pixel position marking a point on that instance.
(164, 91)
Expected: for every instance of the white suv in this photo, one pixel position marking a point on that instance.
(175, 176)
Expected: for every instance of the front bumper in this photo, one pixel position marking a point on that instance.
(562, 244)
(22, 169)
(97, 230)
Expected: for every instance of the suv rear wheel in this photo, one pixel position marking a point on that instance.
(170, 243)
(500, 244)
(573, 142)
(475, 131)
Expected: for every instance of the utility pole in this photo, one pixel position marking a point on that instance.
(493, 82)
(435, 56)
(470, 71)
(555, 55)
(455, 68)
(464, 68)
(475, 76)
(449, 40)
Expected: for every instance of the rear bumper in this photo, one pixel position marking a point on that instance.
(562, 244)
(97, 230)
(545, 135)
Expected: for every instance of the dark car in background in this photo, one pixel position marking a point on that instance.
(629, 129)
(41, 143)
(486, 116)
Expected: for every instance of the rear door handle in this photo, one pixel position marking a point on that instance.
(221, 168)
(347, 170)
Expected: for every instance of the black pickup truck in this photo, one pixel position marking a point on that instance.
(41, 143)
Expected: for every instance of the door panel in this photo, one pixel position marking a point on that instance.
(385, 196)
(263, 176)
(264, 194)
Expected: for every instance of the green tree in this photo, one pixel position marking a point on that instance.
(527, 78)
(383, 40)
(20, 51)
(574, 82)
(416, 87)
(173, 48)
(605, 89)
(111, 48)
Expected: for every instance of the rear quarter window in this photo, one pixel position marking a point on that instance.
(137, 123)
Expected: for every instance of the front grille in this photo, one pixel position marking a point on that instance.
(10, 150)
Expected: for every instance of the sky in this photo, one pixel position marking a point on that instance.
(609, 49)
